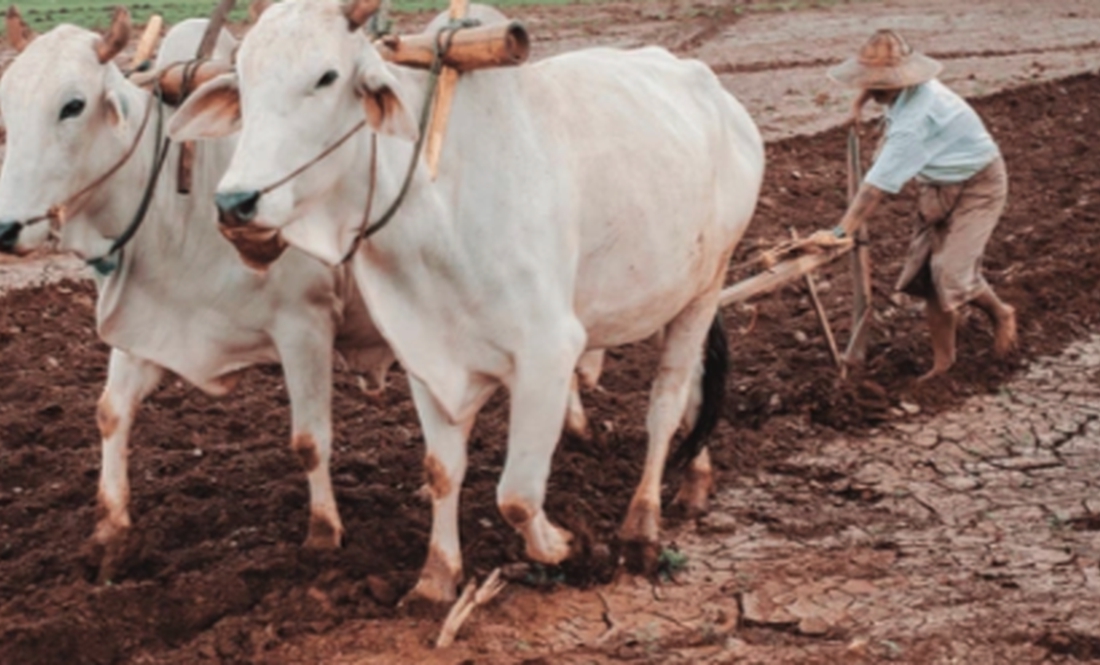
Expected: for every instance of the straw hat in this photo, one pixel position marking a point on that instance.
(885, 62)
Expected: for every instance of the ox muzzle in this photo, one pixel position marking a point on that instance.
(9, 236)
(258, 246)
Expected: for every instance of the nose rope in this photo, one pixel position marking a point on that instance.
(108, 262)
(324, 153)
(444, 39)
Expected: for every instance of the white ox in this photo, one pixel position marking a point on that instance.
(583, 202)
(180, 299)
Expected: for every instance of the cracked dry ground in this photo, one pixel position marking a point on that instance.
(974, 535)
(970, 537)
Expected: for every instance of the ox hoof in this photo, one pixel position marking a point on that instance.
(1006, 338)
(641, 557)
(323, 534)
(581, 432)
(693, 499)
(576, 424)
(689, 505)
(551, 546)
(106, 551)
(109, 532)
(431, 591)
(438, 580)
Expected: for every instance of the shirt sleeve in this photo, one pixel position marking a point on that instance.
(903, 156)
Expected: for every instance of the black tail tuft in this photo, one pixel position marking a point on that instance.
(716, 365)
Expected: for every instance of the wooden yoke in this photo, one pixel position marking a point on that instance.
(441, 105)
(180, 79)
(499, 45)
(206, 47)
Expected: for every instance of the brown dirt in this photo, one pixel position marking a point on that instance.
(219, 502)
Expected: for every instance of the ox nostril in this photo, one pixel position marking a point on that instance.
(9, 236)
(236, 208)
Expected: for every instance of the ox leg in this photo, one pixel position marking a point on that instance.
(576, 422)
(307, 366)
(539, 395)
(683, 344)
(445, 467)
(698, 483)
(589, 368)
(693, 498)
(588, 373)
(129, 381)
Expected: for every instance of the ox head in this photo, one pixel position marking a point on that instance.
(66, 119)
(305, 76)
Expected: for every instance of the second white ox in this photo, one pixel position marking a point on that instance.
(179, 299)
(583, 202)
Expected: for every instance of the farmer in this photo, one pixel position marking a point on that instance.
(931, 133)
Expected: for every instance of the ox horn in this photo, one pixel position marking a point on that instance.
(118, 35)
(359, 12)
(256, 8)
(147, 44)
(19, 33)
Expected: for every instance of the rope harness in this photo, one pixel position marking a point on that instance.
(443, 40)
(73, 204)
(108, 262)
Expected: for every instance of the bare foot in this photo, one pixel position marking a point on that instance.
(1006, 339)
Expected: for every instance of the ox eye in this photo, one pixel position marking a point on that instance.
(72, 109)
(327, 79)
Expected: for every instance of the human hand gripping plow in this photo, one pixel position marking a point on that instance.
(800, 257)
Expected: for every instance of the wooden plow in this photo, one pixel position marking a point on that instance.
(799, 258)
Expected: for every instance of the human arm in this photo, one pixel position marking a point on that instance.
(861, 208)
(857, 107)
(866, 201)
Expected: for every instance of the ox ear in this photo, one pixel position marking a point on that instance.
(19, 33)
(358, 12)
(118, 35)
(211, 112)
(116, 108)
(256, 8)
(386, 112)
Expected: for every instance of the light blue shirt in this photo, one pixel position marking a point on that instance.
(932, 133)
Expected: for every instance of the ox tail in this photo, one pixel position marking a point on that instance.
(716, 366)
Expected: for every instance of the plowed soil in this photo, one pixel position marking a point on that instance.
(220, 504)
(214, 570)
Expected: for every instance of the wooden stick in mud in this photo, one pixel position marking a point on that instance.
(471, 598)
(822, 315)
(783, 273)
(856, 352)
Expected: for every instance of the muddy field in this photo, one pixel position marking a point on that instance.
(214, 570)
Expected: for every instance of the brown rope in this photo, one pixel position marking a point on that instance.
(359, 233)
(324, 153)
